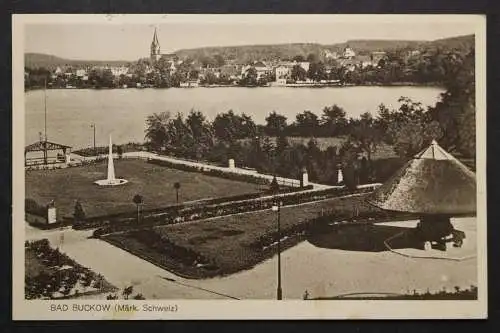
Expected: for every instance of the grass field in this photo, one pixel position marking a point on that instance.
(154, 183)
(230, 241)
(383, 151)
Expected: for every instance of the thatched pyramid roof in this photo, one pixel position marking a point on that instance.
(433, 182)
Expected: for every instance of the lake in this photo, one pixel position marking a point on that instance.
(122, 112)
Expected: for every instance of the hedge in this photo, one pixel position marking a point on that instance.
(179, 214)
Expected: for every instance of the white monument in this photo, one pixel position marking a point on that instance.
(111, 180)
(231, 163)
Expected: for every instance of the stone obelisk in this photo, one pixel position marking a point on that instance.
(111, 180)
(111, 166)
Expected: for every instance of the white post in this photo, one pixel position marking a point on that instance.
(305, 178)
(231, 163)
(340, 177)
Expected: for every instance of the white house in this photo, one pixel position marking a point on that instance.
(117, 71)
(81, 72)
(261, 68)
(330, 55)
(284, 70)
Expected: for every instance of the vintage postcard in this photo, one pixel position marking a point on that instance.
(249, 167)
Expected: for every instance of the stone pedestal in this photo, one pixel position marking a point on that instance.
(231, 163)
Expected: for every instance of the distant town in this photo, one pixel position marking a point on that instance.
(401, 66)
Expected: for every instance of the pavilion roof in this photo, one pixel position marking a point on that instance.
(40, 146)
(433, 182)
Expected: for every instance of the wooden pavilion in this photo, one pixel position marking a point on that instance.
(46, 152)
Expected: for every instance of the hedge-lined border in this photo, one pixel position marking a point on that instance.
(193, 213)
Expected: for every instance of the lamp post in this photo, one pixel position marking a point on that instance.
(279, 293)
(95, 150)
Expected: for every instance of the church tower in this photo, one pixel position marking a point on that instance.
(155, 49)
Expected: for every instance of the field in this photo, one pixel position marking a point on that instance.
(154, 183)
(230, 243)
(383, 151)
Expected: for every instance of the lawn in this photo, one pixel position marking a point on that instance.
(232, 243)
(153, 182)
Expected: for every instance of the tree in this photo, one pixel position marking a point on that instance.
(119, 151)
(408, 128)
(107, 79)
(299, 58)
(456, 111)
(230, 127)
(209, 78)
(127, 292)
(138, 200)
(274, 187)
(194, 74)
(298, 73)
(177, 186)
(317, 71)
(275, 124)
(311, 57)
(201, 132)
(366, 135)
(333, 120)
(219, 60)
(78, 214)
(249, 77)
(306, 123)
(413, 135)
(157, 130)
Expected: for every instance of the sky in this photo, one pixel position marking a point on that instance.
(125, 39)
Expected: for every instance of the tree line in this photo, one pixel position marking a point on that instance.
(407, 129)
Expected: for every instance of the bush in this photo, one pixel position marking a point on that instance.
(32, 207)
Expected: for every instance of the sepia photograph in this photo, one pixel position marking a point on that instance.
(280, 166)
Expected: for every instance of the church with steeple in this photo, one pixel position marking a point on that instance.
(155, 54)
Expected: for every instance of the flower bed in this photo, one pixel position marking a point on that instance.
(51, 274)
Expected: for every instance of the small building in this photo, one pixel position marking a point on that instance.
(45, 152)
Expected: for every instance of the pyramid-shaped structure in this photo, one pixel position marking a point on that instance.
(433, 182)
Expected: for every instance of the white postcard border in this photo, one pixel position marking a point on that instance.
(246, 309)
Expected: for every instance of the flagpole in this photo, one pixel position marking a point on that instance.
(45, 122)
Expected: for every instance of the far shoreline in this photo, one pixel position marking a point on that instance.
(313, 86)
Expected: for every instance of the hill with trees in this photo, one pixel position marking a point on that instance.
(247, 53)
(40, 60)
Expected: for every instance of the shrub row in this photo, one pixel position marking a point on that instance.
(164, 245)
(179, 214)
